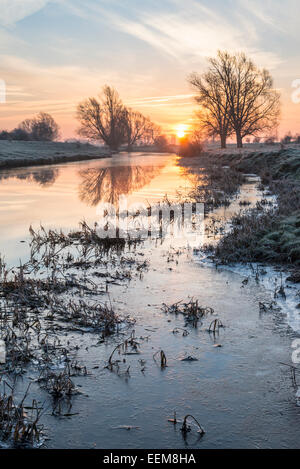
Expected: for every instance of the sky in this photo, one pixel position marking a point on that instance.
(55, 53)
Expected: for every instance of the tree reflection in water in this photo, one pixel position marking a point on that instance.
(44, 177)
(105, 185)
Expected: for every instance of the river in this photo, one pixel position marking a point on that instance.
(236, 387)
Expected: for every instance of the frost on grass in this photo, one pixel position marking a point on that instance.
(17, 153)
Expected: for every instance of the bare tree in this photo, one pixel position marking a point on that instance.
(161, 143)
(26, 126)
(40, 128)
(106, 119)
(136, 126)
(103, 119)
(214, 115)
(253, 102)
(152, 132)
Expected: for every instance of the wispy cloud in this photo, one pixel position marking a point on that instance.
(143, 48)
(188, 32)
(15, 10)
(158, 100)
(281, 16)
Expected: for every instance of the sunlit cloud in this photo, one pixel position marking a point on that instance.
(33, 87)
(157, 100)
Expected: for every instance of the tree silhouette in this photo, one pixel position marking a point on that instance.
(214, 116)
(40, 128)
(236, 96)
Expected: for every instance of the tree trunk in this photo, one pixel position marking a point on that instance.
(223, 141)
(114, 147)
(239, 140)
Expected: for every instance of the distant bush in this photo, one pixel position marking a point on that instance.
(42, 128)
(4, 135)
(287, 139)
(161, 143)
(19, 134)
(16, 134)
(190, 148)
(270, 140)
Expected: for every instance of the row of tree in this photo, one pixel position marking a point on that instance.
(105, 119)
(40, 128)
(235, 97)
(108, 120)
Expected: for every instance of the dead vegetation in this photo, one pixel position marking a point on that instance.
(19, 423)
(129, 346)
(185, 427)
(269, 232)
(58, 291)
(213, 183)
(215, 325)
(163, 358)
(192, 311)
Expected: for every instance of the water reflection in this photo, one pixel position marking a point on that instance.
(107, 184)
(45, 177)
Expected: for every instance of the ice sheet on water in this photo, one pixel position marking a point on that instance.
(270, 279)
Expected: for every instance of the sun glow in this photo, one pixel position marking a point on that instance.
(181, 130)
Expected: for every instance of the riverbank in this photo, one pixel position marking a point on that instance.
(15, 154)
(276, 160)
(270, 162)
(266, 233)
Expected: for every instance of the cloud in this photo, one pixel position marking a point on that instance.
(32, 87)
(180, 34)
(279, 16)
(13, 11)
(186, 32)
(154, 100)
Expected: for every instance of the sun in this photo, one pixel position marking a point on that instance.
(181, 130)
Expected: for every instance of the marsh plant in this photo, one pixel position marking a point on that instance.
(192, 311)
(19, 422)
(63, 288)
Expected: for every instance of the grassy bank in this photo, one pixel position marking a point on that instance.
(264, 233)
(269, 163)
(19, 154)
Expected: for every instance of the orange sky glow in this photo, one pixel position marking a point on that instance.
(54, 53)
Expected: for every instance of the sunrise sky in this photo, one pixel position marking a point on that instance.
(54, 53)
